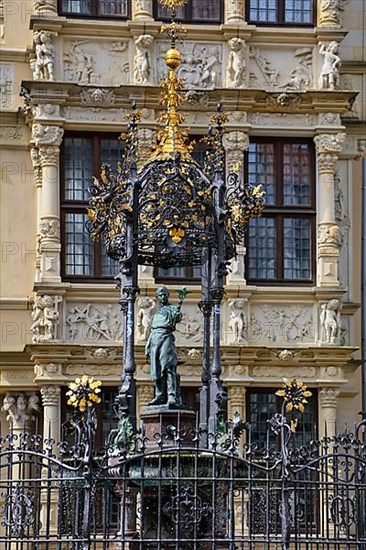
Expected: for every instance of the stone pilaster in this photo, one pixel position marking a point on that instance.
(45, 7)
(142, 9)
(234, 11)
(48, 140)
(328, 148)
(329, 14)
(328, 401)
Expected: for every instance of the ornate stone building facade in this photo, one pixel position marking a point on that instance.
(291, 80)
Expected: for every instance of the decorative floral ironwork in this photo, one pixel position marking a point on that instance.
(83, 393)
(244, 203)
(172, 4)
(294, 394)
(17, 510)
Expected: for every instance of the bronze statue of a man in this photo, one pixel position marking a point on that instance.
(162, 351)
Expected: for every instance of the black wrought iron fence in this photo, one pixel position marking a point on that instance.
(170, 493)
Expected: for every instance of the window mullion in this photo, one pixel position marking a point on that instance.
(281, 11)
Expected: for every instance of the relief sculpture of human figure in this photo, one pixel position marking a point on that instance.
(161, 350)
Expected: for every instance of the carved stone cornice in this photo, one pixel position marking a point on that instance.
(50, 395)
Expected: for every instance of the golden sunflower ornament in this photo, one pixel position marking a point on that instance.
(83, 393)
(295, 395)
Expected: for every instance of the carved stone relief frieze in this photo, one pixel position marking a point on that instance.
(190, 329)
(300, 78)
(281, 119)
(329, 119)
(280, 325)
(94, 114)
(46, 111)
(262, 73)
(12, 133)
(7, 87)
(98, 96)
(93, 63)
(278, 372)
(201, 64)
(93, 323)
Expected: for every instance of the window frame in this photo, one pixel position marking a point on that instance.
(94, 12)
(280, 211)
(281, 17)
(80, 207)
(271, 390)
(188, 15)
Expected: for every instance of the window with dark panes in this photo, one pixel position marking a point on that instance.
(262, 404)
(195, 11)
(189, 274)
(95, 8)
(81, 159)
(280, 244)
(281, 12)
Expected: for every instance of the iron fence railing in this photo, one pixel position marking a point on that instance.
(170, 493)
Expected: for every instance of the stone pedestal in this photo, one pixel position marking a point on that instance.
(168, 423)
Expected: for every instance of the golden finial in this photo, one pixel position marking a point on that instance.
(172, 4)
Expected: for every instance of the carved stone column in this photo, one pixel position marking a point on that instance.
(330, 13)
(234, 11)
(328, 400)
(235, 144)
(142, 9)
(37, 167)
(328, 147)
(48, 140)
(145, 393)
(51, 412)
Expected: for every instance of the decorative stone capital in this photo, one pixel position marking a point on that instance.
(329, 143)
(50, 155)
(43, 7)
(236, 140)
(47, 135)
(330, 13)
(236, 395)
(50, 396)
(142, 9)
(327, 162)
(20, 408)
(328, 398)
(234, 11)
